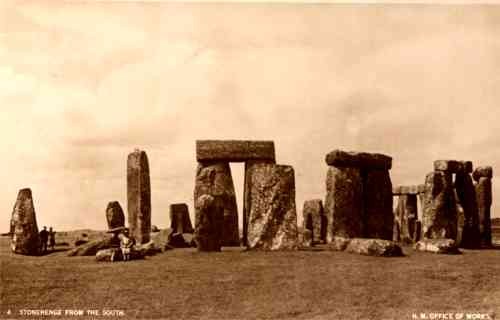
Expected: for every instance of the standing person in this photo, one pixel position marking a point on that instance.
(126, 245)
(52, 239)
(44, 237)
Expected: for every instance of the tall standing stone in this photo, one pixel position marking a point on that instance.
(344, 203)
(25, 239)
(114, 215)
(314, 220)
(466, 195)
(377, 198)
(214, 178)
(179, 218)
(272, 216)
(209, 222)
(482, 176)
(139, 196)
(406, 216)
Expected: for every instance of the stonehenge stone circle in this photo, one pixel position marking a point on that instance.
(466, 194)
(482, 176)
(114, 215)
(24, 239)
(209, 223)
(272, 216)
(234, 150)
(179, 218)
(314, 220)
(215, 178)
(139, 196)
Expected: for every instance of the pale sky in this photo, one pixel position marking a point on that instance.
(84, 84)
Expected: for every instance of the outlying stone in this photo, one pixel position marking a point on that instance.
(114, 215)
(484, 200)
(447, 246)
(404, 190)
(234, 150)
(24, 238)
(377, 199)
(139, 196)
(314, 220)
(482, 172)
(272, 216)
(209, 223)
(179, 218)
(375, 161)
(364, 246)
(453, 166)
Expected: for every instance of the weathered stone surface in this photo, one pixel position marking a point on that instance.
(215, 179)
(25, 239)
(344, 203)
(306, 238)
(114, 215)
(469, 223)
(139, 196)
(179, 218)
(338, 243)
(377, 198)
(439, 218)
(402, 190)
(374, 247)
(447, 246)
(447, 165)
(314, 220)
(482, 172)
(90, 248)
(209, 223)
(405, 217)
(104, 255)
(234, 150)
(375, 161)
(484, 200)
(272, 219)
(417, 231)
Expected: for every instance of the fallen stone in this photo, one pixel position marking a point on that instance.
(90, 248)
(114, 215)
(374, 247)
(445, 246)
(468, 222)
(179, 218)
(209, 223)
(25, 239)
(482, 172)
(373, 161)
(104, 255)
(146, 249)
(315, 220)
(139, 196)
(344, 203)
(377, 199)
(272, 220)
(338, 243)
(234, 150)
(484, 200)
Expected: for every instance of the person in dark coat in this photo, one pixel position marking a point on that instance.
(44, 237)
(52, 238)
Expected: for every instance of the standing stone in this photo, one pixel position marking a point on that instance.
(314, 220)
(466, 194)
(417, 231)
(114, 215)
(139, 196)
(272, 216)
(405, 216)
(484, 199)
(25, 239)
(215, 178)
(179, 218)
(209, 223)
(377, 198)
(344, 203)
(439, 220)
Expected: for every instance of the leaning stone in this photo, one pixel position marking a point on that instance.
(374, 247)
(374, 161)
(315, 220)
(272, 220)
(469, 217)
(209, 223)
(344, 203)
(179, 218)
(439, 220)
(114, 215)
(405, 217)
(139, 196)
(377, 199)
(482, 172)
(446, 246)
(214, 178)
(25, 239)
(484, 200)
(234, 150)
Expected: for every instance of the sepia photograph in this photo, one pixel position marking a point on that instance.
(249, 160)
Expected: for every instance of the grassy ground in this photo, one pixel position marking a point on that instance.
(318, 284)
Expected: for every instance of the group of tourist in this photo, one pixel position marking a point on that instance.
(47, 238)
(124, 242)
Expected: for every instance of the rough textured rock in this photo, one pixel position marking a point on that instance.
(484, 200)
(374, 247)
(139, 196)
(25, 239)
(306, 238)
(315, 220)
(114, 215)
(234, 150)
(338, 243)
(344, 203)
(90, 248)
(272, 216)
(405, 217)
(451, 166)
(482, 172)
(377, 199)
(339, 158)
(417, 231)
(466, 194)
(104, 255)
(402, 190)
(215, 179)
(447, 246)
(179, 218)
(209, 223)
(439, 220)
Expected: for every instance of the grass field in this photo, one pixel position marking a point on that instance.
(319, 284)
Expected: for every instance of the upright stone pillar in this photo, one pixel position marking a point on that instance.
(25, 239)
(139, 196)
(214, 178)
(377, 198)
(483, 176)
(114, 215)
(314, 220)
(209, 222)
(406, 216)
(466, 195)
(179, 218)
(272, 216)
